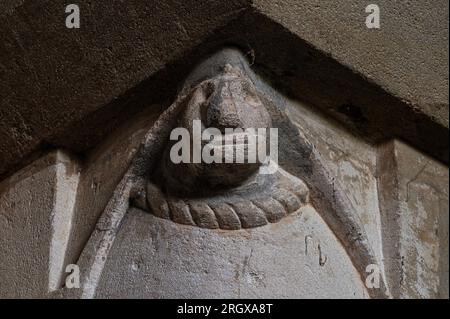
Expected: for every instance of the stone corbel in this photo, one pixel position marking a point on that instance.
(224, 92)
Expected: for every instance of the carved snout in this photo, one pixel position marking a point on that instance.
(234, 103)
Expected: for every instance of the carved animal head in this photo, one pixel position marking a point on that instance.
(226, 107)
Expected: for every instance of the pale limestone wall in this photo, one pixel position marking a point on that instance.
(49, 209)
(55, 212)
(36, 207)
(413, 192)
(299, 257)
(101, 173)
(400, 194)
(352, 162)
(76, 74)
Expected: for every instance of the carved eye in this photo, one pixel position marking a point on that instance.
(226, 195)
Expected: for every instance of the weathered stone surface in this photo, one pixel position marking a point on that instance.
(335, 208)
(36, 210)
(414, 200)
(288, 200)
(412, 41)
(278, 260)
(180, 212)
(339, 201)
(220, 93)
(102, 170)
(249, 214)
(226, 216)
(203, 215)
(351, 162)
(56, 77)
(57, 81)
(272, 208)
(156, 202)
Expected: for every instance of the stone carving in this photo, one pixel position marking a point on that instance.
(251, 205)
(227, 196)
(222, 195)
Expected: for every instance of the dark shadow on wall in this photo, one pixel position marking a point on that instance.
(288, 63)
